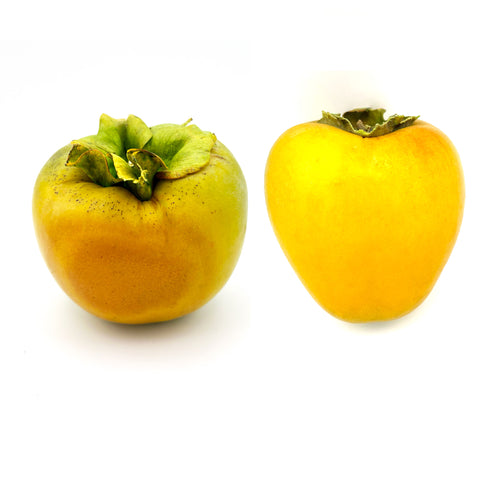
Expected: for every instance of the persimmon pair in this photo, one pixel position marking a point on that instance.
(142, 225)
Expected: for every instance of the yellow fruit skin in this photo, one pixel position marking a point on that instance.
(367, 223)
(136, 262)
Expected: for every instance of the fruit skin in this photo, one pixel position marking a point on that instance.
(135, 262)
(367, 223)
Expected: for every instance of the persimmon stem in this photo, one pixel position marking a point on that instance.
(367, 122)
(134, 156)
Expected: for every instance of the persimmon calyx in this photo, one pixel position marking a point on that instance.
(132, 155)
(367, 122)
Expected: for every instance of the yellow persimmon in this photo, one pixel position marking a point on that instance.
(366, 210)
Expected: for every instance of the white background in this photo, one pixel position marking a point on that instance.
(260, 383)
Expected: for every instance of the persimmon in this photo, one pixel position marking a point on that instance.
(140, 224)
(367, 210)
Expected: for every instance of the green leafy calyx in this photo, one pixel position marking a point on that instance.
(367, 122)
(132, 155)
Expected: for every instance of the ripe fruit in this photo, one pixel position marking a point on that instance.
(366, 210)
